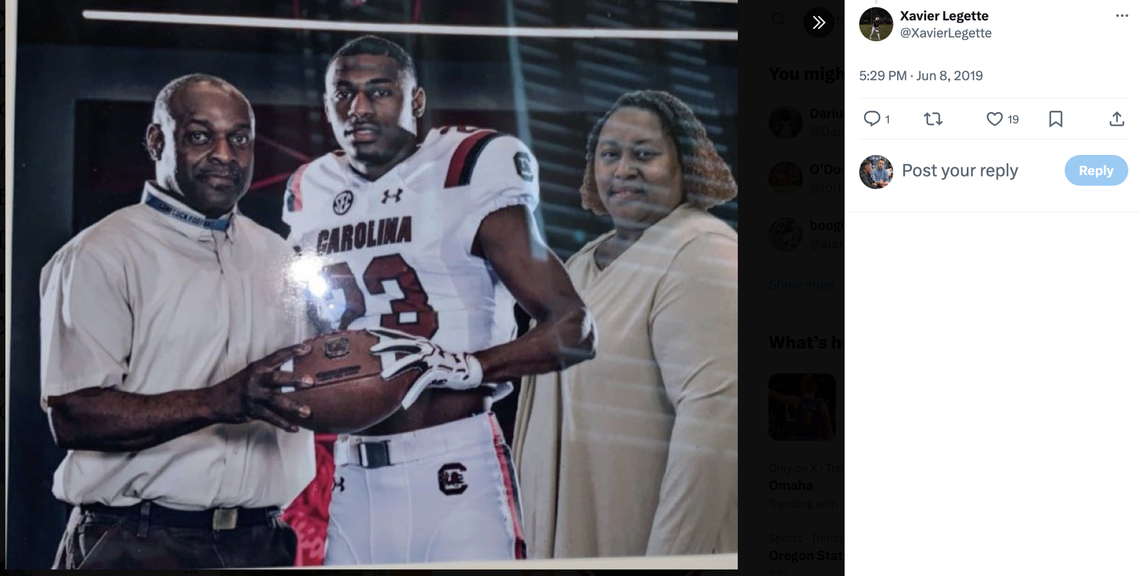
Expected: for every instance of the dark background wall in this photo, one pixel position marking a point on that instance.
(85, 91)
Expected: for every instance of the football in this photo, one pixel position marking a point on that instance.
(348, 394)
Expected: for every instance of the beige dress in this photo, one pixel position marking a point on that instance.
(635, 452)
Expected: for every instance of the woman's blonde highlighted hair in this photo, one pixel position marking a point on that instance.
(707, 179)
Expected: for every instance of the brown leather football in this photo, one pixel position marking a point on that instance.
(348, 395)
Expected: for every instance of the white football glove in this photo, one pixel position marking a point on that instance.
(441, 369)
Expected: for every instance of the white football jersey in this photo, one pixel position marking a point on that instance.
(397, 252)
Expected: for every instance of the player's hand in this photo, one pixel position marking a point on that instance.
(255, 392)
(441, 369)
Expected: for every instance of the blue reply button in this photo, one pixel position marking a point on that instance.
(1096, 170)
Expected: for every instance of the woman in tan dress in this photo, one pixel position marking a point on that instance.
(635, 452)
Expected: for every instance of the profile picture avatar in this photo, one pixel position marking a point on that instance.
(785, 234)
(785, 122)
(875, 24)
(876, 172)
(785, 178)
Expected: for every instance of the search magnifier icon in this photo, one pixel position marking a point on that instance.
(871, 117)
(778, 19)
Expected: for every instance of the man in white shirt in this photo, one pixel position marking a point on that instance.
(162, 330)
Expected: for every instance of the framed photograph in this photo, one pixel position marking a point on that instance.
(341, 282)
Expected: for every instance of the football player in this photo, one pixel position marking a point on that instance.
(811, 413)
(429, 244)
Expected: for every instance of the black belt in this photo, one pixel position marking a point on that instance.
(374, 454)
(215, 519)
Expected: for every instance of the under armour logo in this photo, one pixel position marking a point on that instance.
(339, 484)
(388, 195)
(342, 202)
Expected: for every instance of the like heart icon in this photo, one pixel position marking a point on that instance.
(994, 118)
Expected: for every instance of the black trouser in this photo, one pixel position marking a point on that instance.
(148, 537)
